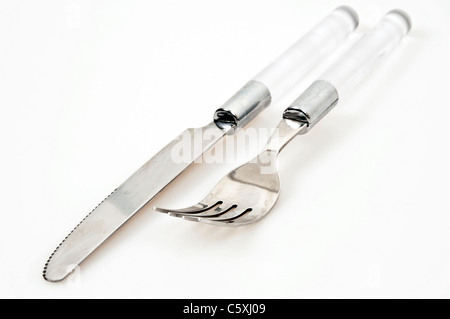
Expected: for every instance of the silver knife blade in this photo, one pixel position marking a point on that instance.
(128, 199)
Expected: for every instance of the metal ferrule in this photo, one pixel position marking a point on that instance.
(243, 106)
(318, 99)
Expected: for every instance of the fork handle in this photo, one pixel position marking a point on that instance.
(283, 73)
(349, 70)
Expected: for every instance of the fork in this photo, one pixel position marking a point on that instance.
(248, 193)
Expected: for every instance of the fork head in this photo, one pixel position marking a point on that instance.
(242, 197)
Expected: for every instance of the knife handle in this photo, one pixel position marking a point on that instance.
(283, 73)
(349, 70)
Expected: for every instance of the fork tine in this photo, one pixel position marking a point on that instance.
(218, 214)
(216, 210)
(195, 209)
(207, 203)
(241, 220)
(209, 215)
(229, 217)
(222, 210)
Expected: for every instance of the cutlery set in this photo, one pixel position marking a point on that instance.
(249, 192)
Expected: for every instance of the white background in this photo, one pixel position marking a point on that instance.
(89, 90)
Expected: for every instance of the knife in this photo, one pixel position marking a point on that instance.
(127, 199)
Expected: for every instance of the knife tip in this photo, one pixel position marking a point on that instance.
(55, 274)
(55, 271)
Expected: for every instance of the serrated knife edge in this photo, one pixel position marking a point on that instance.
(124, 202)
